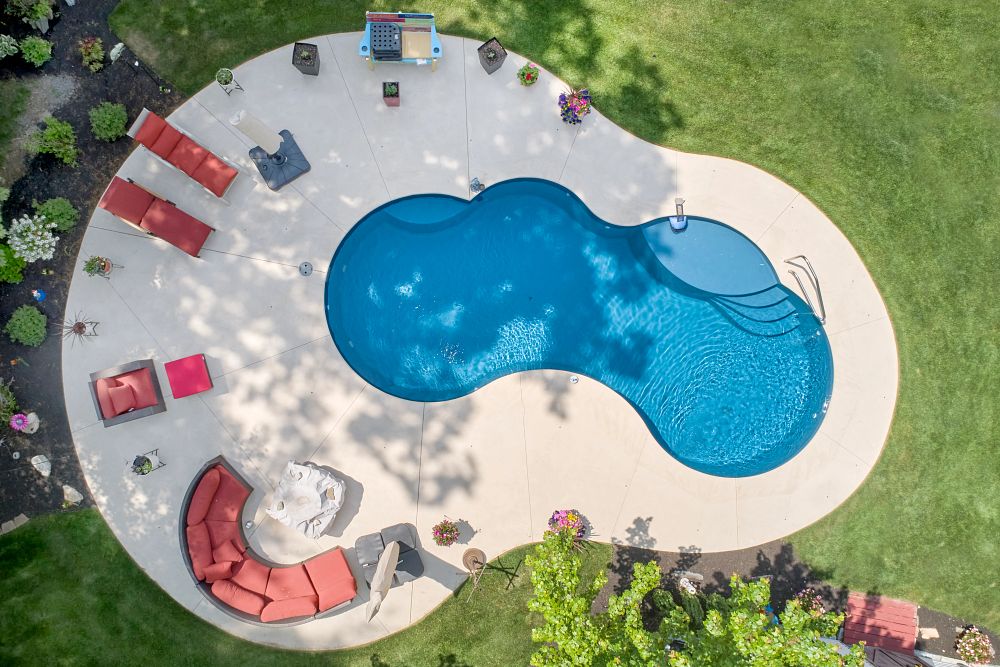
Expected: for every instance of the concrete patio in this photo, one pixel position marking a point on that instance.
(502, 458)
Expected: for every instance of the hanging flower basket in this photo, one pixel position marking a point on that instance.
(528, 74)
(445, 533)
(491, 55)
(574, 105)
(568, 520)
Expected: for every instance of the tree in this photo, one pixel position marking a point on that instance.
(571, 634)
(739, 633)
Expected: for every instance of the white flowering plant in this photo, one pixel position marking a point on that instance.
(31, 238)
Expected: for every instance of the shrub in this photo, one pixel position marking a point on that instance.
(92, 52)
(59, 211)
(58, 139)
(27, 326)
(10, 265)
(31, 238)
(30, 9)
(8, 401)
(8, 46)
(36, 50)
(107, 121)
(973, 645)
(445, 533)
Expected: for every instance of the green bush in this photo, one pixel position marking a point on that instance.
(27, 326)
(8, 46)
(60, 211)
(30, 9)
(107, 121)
(58, 139)
(8, 402)
(36, 50)
(92, 51)
(10, 265)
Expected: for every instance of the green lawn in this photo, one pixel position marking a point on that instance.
(883, 113)
(14, 94)
(71, 596)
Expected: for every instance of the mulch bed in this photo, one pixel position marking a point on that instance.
(37, 372)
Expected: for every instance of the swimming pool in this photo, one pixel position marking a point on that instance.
(430, 297)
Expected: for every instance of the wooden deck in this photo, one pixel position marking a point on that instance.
(881, 622)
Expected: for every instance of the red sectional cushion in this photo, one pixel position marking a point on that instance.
(227, 552)
(289, 582)
(102, 387)
(238, 598)
(187, 155)
(122, 398)
(199, 548)
(332, 578)
(217, 571)
(225, 531)
(166, 142)
(229, 499)
(214, 174)
(126, 200)
(141, 382)
(290, 608)
(201, 499)
(252, 576)
(150, 130)
(176, 227)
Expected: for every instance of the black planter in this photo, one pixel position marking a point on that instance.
(305, 57)
(491, 55)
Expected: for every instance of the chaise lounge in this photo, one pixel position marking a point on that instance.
(126, 392)
(241, 582)
(176, 148)
(153, 215)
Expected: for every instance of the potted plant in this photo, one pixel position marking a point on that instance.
(445, 532)
(97, 265)
(973, 645)
(491, 55)
(528, 74)
(305, 57)
(142, 465)
(574, 105)
(225, 78)
(568, 520)
(390, 93)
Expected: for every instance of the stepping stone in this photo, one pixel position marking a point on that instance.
(6, 527)
(42, 464)
(20, 520)
(928, 633)
(71, 495)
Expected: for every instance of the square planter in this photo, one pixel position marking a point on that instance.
(305, 57)
(390, 97)
(491, 55)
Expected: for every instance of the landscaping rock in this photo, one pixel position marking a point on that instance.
(42, 464)
(71, 495)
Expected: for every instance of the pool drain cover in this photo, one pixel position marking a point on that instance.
(305, 268)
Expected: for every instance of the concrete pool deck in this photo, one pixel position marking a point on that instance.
(502, 458)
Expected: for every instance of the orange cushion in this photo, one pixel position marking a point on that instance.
(201, 499)
(102, 387)
(332, 578)
(150, 130)
(252, 576)
(176, 227)
(217, 571)
(214, 174)
(166, 142)
(199, 548)
(126, 200)
(141, 382)
(225, 531)
(227, 552)
(122, 398)
(229, 498)
(288, 582)
(238, 598)
(290, 608)
(187, 155)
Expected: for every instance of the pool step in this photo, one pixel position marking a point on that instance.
(765, 313)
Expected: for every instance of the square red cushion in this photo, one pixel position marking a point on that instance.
(141, 382)
(188, 375)
(227, 551)
(199, 548)
(214, 174)
(229, 498)
(252, 576)
(237, 597)
(332, 578)
(222, 531)
(217, 571)
(187, 155)
(122, 398)
(150, 130)
(290, 608)
(166, 142)
(126, 200)
(289, 582)
(102, 386)
(176, 227)
(201, 499)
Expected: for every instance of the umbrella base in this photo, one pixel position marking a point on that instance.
(283, 167)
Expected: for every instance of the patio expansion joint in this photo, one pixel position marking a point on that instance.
(468, 134)
(562, 172)
(524, 440)
(239, 445)
(271, 356)
(777, 217)
(337, 421)
(628, 489)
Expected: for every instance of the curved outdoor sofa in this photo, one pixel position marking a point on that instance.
(235, 578)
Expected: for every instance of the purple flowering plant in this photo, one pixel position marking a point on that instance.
(810, 601)
(19, 421)
(445, 533)
(574, 105)
(568, 519)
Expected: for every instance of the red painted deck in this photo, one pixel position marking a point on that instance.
(881, 622)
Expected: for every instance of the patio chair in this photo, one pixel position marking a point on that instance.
(126, 392)
(154, 215)
(172, 145)
(369, 548)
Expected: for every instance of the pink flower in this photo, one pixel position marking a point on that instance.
(19, 421)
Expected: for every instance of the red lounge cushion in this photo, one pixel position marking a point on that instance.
(223, 531)
(188, 376)
(229, 499)
(102, 386)
(289, 582)
(332, 578)
(175, 227)
(214, 174)
(122, 398)
(252, 576)
(217, 571)
(141, 382)
(166, 142)
(238, 598)
(150, 130)
(126, 200)
(227, 552)
(187, 155)
(290, 608)
(201, 499)
(199, 548)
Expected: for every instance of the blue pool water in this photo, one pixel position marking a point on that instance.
(431, 297)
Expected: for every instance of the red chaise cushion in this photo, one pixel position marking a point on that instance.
(215, 175)
(229, 498)
(187, 155)
(290, 608)
(225, 531)
(201, 499)
(176, 227)
(199, 548)
(252, 576)
(217, 571)
(289, 582)
(150, 130)
(126, 200)
(332, 578)
(141, 382)
(166, 142)
(237, 597)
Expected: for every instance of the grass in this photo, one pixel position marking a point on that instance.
(73, 597)
(14, 94)
(883, 113)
